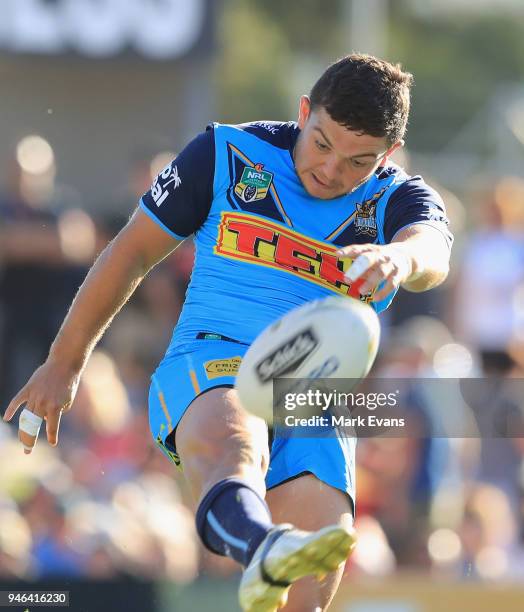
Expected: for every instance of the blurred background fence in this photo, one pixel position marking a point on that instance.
(97, 96)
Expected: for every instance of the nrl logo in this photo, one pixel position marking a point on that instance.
(254, 183)
(365, 219)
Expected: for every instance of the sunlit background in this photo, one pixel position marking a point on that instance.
(97, 96)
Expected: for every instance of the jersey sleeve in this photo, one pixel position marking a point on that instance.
(180, 197)
(412, 203)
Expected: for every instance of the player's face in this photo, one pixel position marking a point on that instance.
(331, 160)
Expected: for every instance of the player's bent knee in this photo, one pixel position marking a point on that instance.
(217, 438)
(215, 442)
(260, 441)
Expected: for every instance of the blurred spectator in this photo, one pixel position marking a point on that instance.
(488, 534)
(488, 310)
(52, 547)
(44, 251)
(15, 545)
(400, 476)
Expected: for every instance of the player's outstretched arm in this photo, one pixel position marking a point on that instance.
(417, 259)
(109, 284)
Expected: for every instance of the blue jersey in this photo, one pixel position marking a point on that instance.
(263, 245)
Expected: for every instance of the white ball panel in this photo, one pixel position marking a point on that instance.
(334, 337)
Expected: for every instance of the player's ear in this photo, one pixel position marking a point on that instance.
(304, 109)
(394, 147)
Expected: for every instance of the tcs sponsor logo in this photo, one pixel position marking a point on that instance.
(261, 241)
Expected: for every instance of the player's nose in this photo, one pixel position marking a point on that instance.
(330, 170)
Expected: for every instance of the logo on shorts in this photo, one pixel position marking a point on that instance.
(287, 357)
(254, 183)
(365, 218)
(222, 367)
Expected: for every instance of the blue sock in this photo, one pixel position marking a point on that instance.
(232, 520)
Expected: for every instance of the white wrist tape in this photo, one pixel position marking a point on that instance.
(358, 267)
(30, 422)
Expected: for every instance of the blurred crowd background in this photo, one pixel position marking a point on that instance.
(94, 104)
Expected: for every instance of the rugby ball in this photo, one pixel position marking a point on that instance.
(334, 337)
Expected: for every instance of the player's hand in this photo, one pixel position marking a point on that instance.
(49, 392)
(374, 263)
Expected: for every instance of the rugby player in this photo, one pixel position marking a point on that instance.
(281, 213)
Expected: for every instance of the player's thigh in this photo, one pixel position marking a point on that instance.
(216, 438)
(310, 504)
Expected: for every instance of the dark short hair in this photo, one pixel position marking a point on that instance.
(365, 94)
